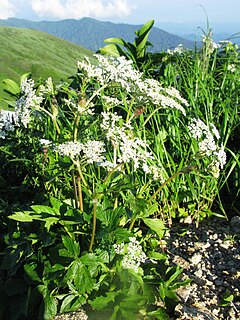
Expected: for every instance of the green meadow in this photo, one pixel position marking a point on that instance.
(38, 53)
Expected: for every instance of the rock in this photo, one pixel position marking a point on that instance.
(196, 258)
(235, 224)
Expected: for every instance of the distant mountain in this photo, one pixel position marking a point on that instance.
(91, 33)
(194, 31)
(41, 54)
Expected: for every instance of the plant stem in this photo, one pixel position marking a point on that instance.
(74, 188)
(132, 224)
(164, 184)
(94, 223)
(80, 193)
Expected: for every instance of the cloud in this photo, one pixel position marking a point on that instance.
(6, 9)
(77, 9)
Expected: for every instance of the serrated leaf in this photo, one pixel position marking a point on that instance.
(45, 209)
(50, 221)
(31, 272)
(156, 225)
(56, 204)
(80, 275)
(72, 246)
(22, 216)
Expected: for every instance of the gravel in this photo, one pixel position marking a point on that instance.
(210, 256)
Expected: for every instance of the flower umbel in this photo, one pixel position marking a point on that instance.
(133, 254)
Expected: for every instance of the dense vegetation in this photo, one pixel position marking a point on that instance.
(95, 170)
(27, 50)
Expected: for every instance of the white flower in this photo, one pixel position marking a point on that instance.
(120, 72)
(179, 50)
(133, 254)
(221, 157)
(7, 120)
(45, 143)
(70, 149)
(207, 138)
(93, 151)
(27, 102)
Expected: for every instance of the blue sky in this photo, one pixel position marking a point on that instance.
(126, 11)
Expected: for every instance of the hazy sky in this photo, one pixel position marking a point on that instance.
(126, 11)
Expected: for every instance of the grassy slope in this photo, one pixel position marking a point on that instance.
(27, 50)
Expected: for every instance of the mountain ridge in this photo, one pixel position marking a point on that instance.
(91, 33)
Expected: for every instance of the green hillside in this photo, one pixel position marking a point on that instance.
(44, 55)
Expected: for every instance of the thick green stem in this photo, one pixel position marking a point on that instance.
(75, 189)
(81, 175)
(75, 129)
(80, 193)
(94, 224)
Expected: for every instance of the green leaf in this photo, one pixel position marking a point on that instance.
(22, 216)
(177, 271)
(72, 246)
(25, 76)
(116, 40)
(112, 50)
(157, 255)
(156, 225)
(141, 42)
(11, 86)
(159, 314)
(102, 302)
(50, 306)
(67, 303)
(79, 274)
(45, 209)
(31, 272)
(50, 221)
(56, 204)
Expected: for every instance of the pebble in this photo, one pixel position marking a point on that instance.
(214, 262)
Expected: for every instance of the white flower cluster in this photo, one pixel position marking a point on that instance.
(129, 147)
(120, 71)
(26, 103)
(207, 138)
(7, 119)
(45, 143)
(91, 151)
(70, 149)
(132, 252)
(111, 101)
(179, 50)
